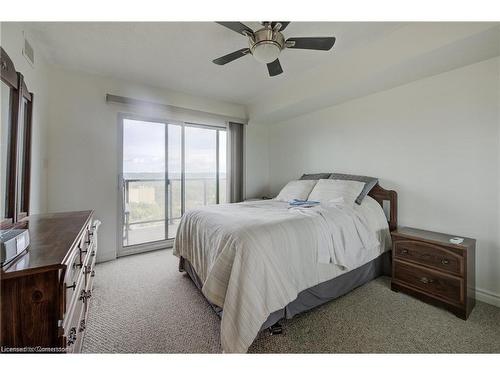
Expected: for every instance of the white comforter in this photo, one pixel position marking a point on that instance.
(255, 257)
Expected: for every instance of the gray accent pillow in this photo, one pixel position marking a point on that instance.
(316, 176)
(370, 183)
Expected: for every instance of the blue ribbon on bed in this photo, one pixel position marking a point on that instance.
(302, 202)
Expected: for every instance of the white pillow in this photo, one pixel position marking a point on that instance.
(298, 189)
(327, 191)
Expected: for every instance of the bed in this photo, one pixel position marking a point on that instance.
(259, 262)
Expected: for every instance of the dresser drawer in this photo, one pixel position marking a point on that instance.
(90, 267)
(73, 272)
(435, 283)
(84, 244)
(429, 255)
(77, 307)
(73, 320)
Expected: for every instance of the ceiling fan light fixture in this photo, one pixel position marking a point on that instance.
(266, 44)
(266, 51)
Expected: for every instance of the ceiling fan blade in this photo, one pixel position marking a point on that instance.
(322, 44)
(274, 68)
(231, 56)
(237, 26)
(283, 24)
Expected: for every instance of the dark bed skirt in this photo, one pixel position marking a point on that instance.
(316, 295)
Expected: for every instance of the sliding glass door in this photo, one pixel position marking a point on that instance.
(143, 182)
(205, 166)
(167, 168)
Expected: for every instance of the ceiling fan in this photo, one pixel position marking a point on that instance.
(267, 43)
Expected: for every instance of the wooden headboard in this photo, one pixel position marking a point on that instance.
(380, 195)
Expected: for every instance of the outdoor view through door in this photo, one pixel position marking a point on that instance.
(168, 168)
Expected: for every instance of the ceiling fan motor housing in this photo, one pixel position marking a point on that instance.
(266, 44)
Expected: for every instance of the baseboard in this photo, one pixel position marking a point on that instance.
(488, 297)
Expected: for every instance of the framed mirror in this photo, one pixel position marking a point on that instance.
(15, 143)
(5, 132)
(24, 155)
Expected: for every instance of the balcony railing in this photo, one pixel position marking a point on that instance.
(144, 205)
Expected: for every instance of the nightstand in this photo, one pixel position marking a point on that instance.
(427, 266)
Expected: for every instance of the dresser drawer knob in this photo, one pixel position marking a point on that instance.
(72, 336)
(404, 251)
(445, 261)
(92, 274)
(84, 295)
(425, 280)
(82, 326)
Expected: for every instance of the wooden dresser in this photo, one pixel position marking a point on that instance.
(45, 293)
(426, 265)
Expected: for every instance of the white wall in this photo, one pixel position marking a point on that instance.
(12, 41)
(83, 142)
(436, 141)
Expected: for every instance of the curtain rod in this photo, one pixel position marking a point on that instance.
(117, 99)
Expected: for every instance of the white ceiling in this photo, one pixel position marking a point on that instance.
(178, 55)
(415, 51)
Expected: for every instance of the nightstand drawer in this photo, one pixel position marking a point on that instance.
(435, 283)
(429, 255)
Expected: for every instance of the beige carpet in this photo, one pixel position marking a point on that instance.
(141, 303)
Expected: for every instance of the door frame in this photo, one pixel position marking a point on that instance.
(153, 245)
(169, 242)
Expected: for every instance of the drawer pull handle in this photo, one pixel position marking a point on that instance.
(81, 250)
(425, 280)
(84, 295)
(72, 336)
(92, 274)
(404, 251)
(72, 286)
(92, 254)
(82, 326)
(445, 261)
(77, 265)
